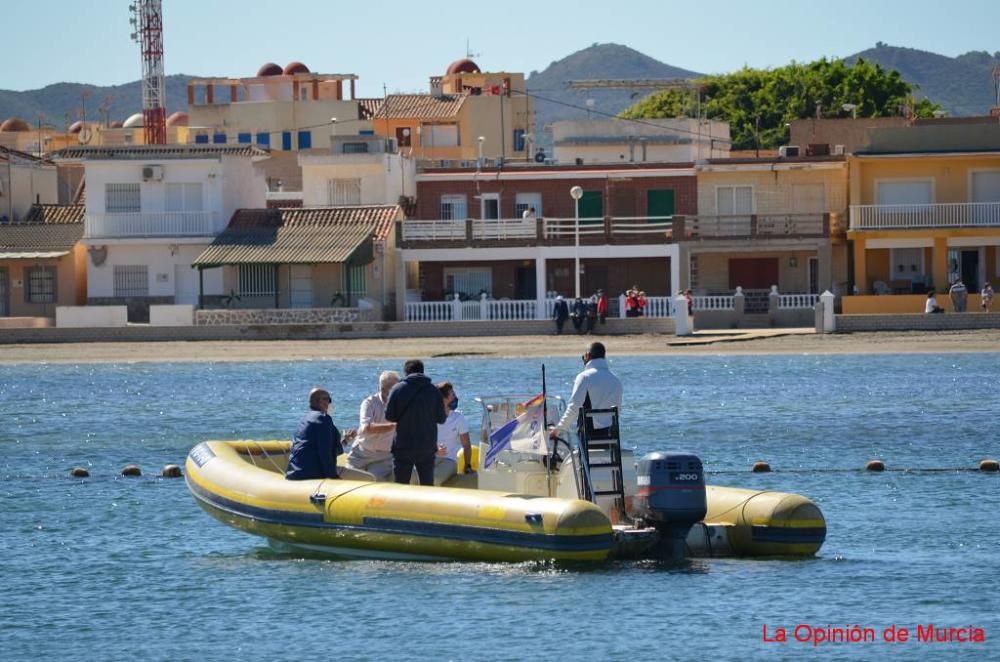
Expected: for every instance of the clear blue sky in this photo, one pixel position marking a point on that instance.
(400, 44)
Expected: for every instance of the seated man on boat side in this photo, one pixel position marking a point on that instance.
(316, 443)
(452, 435)
(594, 388)
(371, 449)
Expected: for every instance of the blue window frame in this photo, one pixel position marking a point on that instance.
(264, 138)
(305, 139)
(286, 140)
(244, 138)
(219, 139)
(201, 139)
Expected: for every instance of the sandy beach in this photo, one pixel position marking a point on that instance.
(767, 341)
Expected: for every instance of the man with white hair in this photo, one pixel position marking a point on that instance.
(372, 446)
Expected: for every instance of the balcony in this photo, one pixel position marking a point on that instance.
(913, 217)
(415, 233)
(151, 224)
(763, 226)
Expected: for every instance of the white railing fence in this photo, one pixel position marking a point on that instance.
(790, 301)
(417, 230)
(152, 224)
(566, 227)
(641, 224)
(716, 302)
(505, 228)
(948, 214)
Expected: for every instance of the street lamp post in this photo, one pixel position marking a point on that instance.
(576, 193)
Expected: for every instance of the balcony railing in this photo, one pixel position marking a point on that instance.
(943, 215)
(621, 229)
(762, 226)
(151, 224)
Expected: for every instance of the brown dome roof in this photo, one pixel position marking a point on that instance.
(14, 124)
(177, 119)
(463, 66)
(269, 69)
(295, 68)
(76, 126)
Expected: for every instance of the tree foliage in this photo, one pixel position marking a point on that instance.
(758, 103)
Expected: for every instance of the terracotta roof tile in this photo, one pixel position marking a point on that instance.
(405, 106)
(55, 214)
(368, 108)
(311, 235)
(126, 152)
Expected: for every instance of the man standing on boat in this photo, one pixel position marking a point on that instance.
(316, 443)
(595, 388)
(370, 451)
(416, 407)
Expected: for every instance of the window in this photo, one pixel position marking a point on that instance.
(40, 285)
(489, 206)
(469, 283)
(131, 280)
(453, 208)
(354, 148)
(403, 136)
(439, 135)
(519, 141)
(243, 138)
(121, 198)
(256, 280)
(915, 192)
(184, 197)
(345, 191)
(734, 200)
(357, 285)
(264, 138)
(201, 139)
(525, 201)
(219, 138)
(286, 140)
(305, 140)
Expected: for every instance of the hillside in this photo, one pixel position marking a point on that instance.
(597, 61)
(962, 85)
(54, 102)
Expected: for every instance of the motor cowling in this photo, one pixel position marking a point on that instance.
(670, 497)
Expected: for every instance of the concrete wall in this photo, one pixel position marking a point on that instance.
(384, 177)
(91, 316)
(618, 141)
(773, 189)
(24, 183)
(917, 322)
(167, 315)
(276, 116)
(166, 263)
(902, 303)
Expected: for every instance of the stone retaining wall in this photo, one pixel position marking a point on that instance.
(240, 317)
(146, 333)
(917, 322)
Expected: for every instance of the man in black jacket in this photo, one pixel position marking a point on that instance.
(316, 443)
(416, 407)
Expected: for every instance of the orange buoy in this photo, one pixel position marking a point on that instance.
(989, 465)
(760, 467)
(875, 465)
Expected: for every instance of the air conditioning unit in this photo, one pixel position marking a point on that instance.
(837, 150)
(788, 150)
(152, 173)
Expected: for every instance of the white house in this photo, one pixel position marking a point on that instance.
(151, 209)
(24, 181)
(357, 170)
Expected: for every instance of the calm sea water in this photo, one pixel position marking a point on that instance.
(115, 568)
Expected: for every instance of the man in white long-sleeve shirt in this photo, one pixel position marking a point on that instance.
(595, 388)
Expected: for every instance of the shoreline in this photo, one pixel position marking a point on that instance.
(708, 343)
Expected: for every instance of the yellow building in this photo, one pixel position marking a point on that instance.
(468, 114)
(925, 213)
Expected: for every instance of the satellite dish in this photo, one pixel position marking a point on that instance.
(84, 136)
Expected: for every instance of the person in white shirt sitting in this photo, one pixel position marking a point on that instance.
(932, 306)
(372, 446)
(452, 435)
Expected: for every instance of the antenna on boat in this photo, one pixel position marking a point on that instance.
(545, 404)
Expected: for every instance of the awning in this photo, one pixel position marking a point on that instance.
(32, 255)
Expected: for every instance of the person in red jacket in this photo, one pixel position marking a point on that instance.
(602, 306)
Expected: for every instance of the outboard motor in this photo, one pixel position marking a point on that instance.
(671, 498)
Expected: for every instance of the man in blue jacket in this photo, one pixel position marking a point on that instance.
(316, 443)
(416, 407)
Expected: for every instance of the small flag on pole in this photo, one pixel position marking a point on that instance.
(525, 434)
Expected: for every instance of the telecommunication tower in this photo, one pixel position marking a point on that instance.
(147, 31)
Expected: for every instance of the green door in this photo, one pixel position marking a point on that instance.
(659, 202)
(592, 206)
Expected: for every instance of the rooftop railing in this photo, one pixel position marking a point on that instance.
(941, 215)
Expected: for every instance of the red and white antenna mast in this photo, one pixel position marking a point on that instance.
(147, 26)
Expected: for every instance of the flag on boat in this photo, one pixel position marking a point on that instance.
(525, 433)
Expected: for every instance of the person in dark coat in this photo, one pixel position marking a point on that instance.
(560, 313)
(591, 313)
(579, 314)
(416, 407)
(316, 443)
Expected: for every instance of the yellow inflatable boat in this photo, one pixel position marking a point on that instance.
(503, 513)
